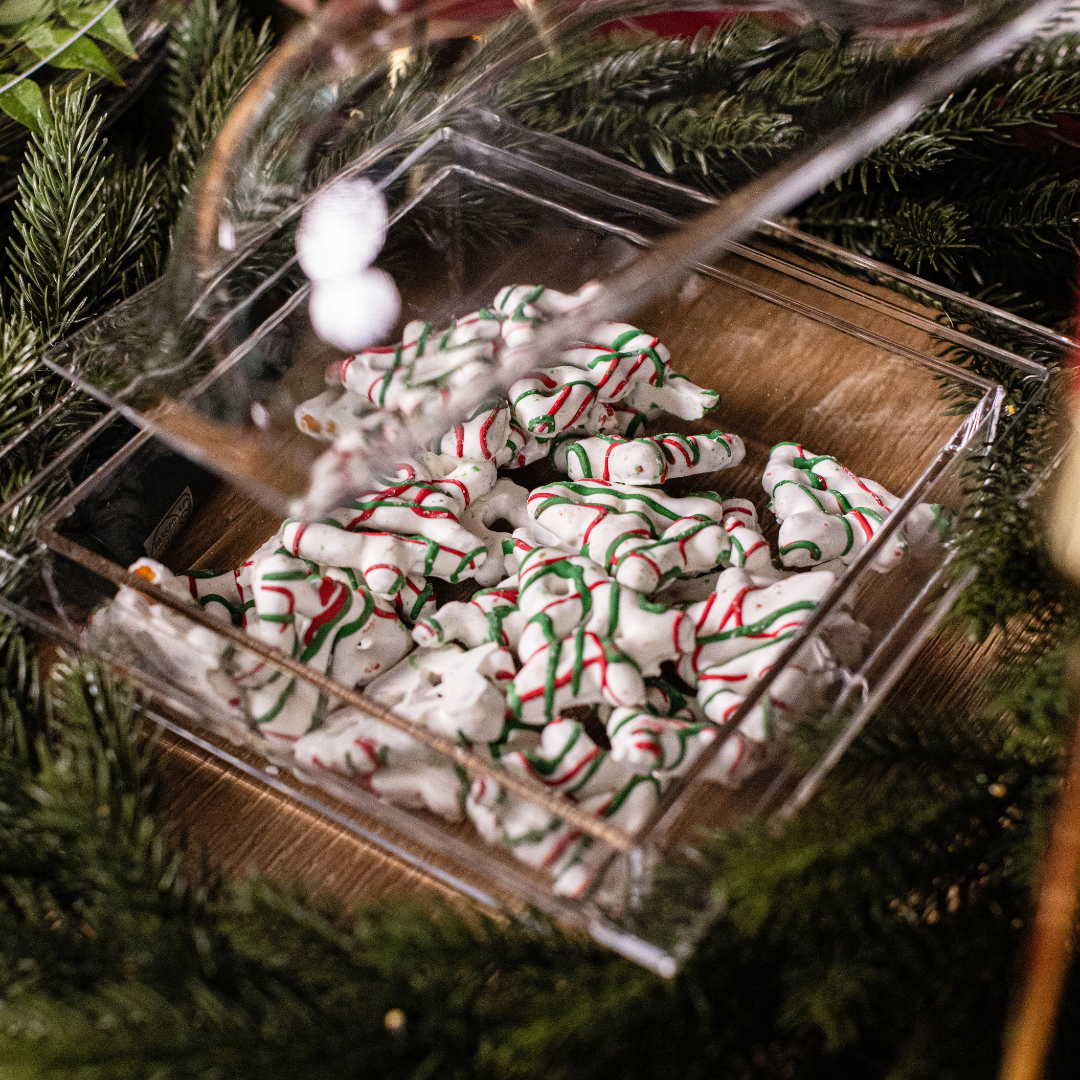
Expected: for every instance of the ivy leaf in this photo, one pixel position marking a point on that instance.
(24, 102)
(81, 55)
(109, 28)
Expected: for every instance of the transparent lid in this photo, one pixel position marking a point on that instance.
(293, 308)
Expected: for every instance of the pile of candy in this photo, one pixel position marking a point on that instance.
(587, 586)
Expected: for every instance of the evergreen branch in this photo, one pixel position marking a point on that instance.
(637, 69)
(84, 222)
(717, 142)
(810, 65)
(907, 155)
(1043, 213)
(983, 117)
(930, 233)
(23, 387)
(214, 56)
(201, 32)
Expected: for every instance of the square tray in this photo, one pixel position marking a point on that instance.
(798, 348)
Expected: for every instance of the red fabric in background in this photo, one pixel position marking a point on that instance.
(666, 24)
(677, 23)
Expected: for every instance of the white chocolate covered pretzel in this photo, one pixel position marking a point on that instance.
(384, 760)
(664, 746)
(425, 367)
(565, 759)
(391, 564)
(560, 399)
(742, 616)
(451, 690)
(642, 537)
(677, 397)
(330, 621)
(490, 615)
(581, 669)
(418, 509)
(650, 461)
(547, 842)
(559, 594)
(522, 308)
(332, 413)
(826, 511)
(185, 653)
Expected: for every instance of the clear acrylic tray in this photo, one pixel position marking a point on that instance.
(800, 350)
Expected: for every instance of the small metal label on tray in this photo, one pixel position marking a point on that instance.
(170, 524)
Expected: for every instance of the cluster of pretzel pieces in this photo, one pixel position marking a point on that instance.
(579, 605)
(609, 385)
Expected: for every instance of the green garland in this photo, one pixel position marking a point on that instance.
(877, 936)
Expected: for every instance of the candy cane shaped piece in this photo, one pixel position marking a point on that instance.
(450, 690)
(621, 358)
(465, 479)
(653, 460)
(555, 597)
(410, 508)
(584, 669)
(413, 509)
(490, 615)
(690, 545)
(651, 744)
(568, 761)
